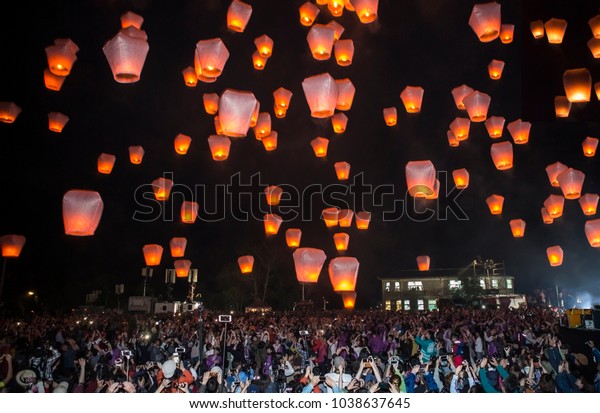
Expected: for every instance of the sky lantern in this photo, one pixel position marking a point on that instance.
(546, 218)
(555, 255)
(390, 116)
(82, 211)
(320, 40)
(177, 246)
(519, 130)
(182, 268)
(246, 263)
(420, 178)
(272, 223)
(238, 15)
(555, 30)
(339, 122)
(336, 7)
(342, 170)
(282, 98)
(258, 62)
(263, 125)
(189, 212)
(362, 220)
(264, 46)
(537, 29)
(321, 92)
(12, 245)
(152, 254)
(209, 59)
(495, 68)
(554, 204)
(126, 54)
(461, 178)
(292, 237)
(506, 33)
(131, 19)
(338, 29)
(219, 147)
(458, 93)
(594, 24)
(344, 52)
(343, 272)
(106, 162)
(477, 104)
(436, 190)
(273, 195)
(423, 262)
(270, 142)
(182, 143)
(322, 2)
(61, 56)
(189, 76)
(495, 203)
(162, 188)
(57, 121)
(279, 111)
(597, 89)
(517, 227)
(589, 145)
(9, 111)
(578, 85)
(136, 154)
(589, 203)
(412, 97)
(349, 299)
(571, 182)
(562, 106)
(341, 240)
(494, 126)
(460, 128)
(319, 146)
(502, 155)
(592, 232)
(235, 112)
(52, 81)
(345, 218)
(452, 141)
(308, 263)
(211, 103)
(553, 171)
(366, 10)
(485, 21)
(346, 92)
(331, 216)
(594, 46)
(308, 13)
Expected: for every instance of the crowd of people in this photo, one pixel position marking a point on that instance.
(457, 350)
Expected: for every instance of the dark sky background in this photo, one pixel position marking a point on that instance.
(425, 43)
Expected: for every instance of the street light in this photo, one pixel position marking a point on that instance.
(146, 273)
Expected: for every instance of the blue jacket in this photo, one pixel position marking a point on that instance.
(565, 383)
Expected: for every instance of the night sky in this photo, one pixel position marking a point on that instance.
(419, 43)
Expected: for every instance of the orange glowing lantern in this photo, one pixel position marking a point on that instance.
(177, 246)
(460, 128)
(270, 142)
(182, 268)
(279, 111)
(555, 30)
(571, 182)
(162, 188)
(436, 190)
(537, 29)
(319, 146)
(182, 143)
(349, 299)
(52, 81)
(546, 218)
(292, 237)
(554, 204)
(258, 62)
(461, 178)
(517, 227)
(348, 5)
(238, 15)
(246, 263)
(589, 146)
(336, 7)
(264, 46)
(495, 69)
(363, 219)
(131, 19)
(331, 216)
(152, 254)
(343, 272)
(82, 211)
(366, 10)
(342, 170)
(321, 92)
(412, 97)
(12, 245)
(308, 263)
(452, 141)
(502, 155)
(494, 126)
(57, 121)
(495, 203)
(506, 33)
(322, 2)
(344, 52)
(345, 218)
(423, 262)
(273, 195)
(61, 56)
(136, 154)
(263, 125)
(477, 104)
(339, 122)
(255, 114)
(519, 131)
(272, 223)
(578, 85)
(594, 46)
(282, 98)
(308, 13)
(420, 178)
(459, 93)
(592, 232)
(554, 170)
(338, 29)
(341, 240)
(219, 147)
(555, 255)
(209, 59)
(594, 24)
(126, 54)
(189, 76)
(211, 103)
(320, 40)
(346, 92)
(106, 162)
(235, 112)
(485, 21)
(390, 116)
(189, 212)
(562, 106)
(9, 111)
(589, 203)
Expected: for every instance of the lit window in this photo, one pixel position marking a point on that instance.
(432, 305)
(509, 283)
(420, 305)
(387, 286)
(407, 305)
(494, 283)
(397, 286)
(388, 305)
(415, 286)
(455, 284)
(482, 283)
(398, 305)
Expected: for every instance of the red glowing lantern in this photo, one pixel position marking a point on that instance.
(349, 299)
(461, 178)
(321, 92)
(592, 232)
(519, 131)
(162, 188)
(320, 40)
(495, 203)
(209, 59)
(272, 222)
(189, 212)
(363, 219)
(485, 21)
(336, 7)
(182, 268)
(246, 263)
(131, 19)
(308, 13)
(106, 162)
(555, 30)
(152, 254)
(342, 170)
(9, 111)
(330, 216)
(270, 142)
(182, 143)
(339, 122)
(506, 33)
(502, 155)
(343, 272)
(420, 178)
(366, 10)
(126, 54)
(177, 246)
(57, 121)
(555, 255)
(495, 68)
(12, 245)
(52, 81)
(423, 262)
(211, 103)
(412, 97)
(562, 106)
(308, 263)
(589, 203)
(345, 217)
(578, 85)
(61, 56)
(235, 112)
(292, 237)
(273, 195)
(494, 126)
(82, 211)
(136, 154)
(258, 62)
(477, 104)
(554, 204)
(344, 52)
(341, 240)
(517, 227)
(189, 76)
(571, 182)
(390, 116)
(589, 146)
(238, 15)
(459, 93)
(346, 92)
(553, 171)
(460, 128)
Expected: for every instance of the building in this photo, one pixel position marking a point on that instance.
(421, 291)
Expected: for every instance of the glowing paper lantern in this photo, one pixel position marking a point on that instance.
(182, 143)
(264, 46)
(219, 147)
(341, 240)
(519, 131)
(152, 254)
(263, 125)
(136, 154)
(308, 263)
(571, 182)
(555, 255)
(238, 15)
(209, 59)
(272, 223)
(162, 188)
(589, 146)
(177, 246)
(273, 195)
(338, 29)
(282, 98)
(460, 128)
(507, 33)
(106, 162)
(189, 212)
(270, 142)
(555, 30)
(321, 2)
(321, 92)
(330, 216)
(235, 112)
(82, 211)
(211, 103)
(346, 92)
(189, 76)
(592, 232)
(342, 170)
(57, 121)
(412, 97)
(131, 19)
(279, 111)
(495, 69)
(348, 5)
(349, 299)
(420, 178)
(459, 93)
(436, 190)
(578, 85)
(494, 126)
(182, 268)
(9, 111)
(126, 54)
(363, 219)
(343, 272)
(502, 155)
(320, 41)
(423, 262)
(597, 89)
(594, 46)
(546, 218)
(246, 263)
(258, 62)
(344, 52)
(308, 13)
(339, 122)
(366, 10)
(461, 178)
(52, 81)
(594, 24)
(452, 141)
(589, 203)
(61, 56)
(477, 104)
(517, 227)
(495, 203)
(562, 106)
(345, 218)
(554, 204)
(553, 171)
(336, 7)
(292, 237)
(255, 113)
(537, 29)
(12, 245)
(390, 116)
(485, 21)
